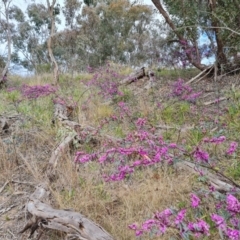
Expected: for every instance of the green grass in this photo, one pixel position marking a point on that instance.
(176, 73)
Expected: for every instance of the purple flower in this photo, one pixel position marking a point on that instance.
(194, 201)
(199, 227)
(147, 225)
(235, 222)
(141, 122)
(216, 140)
(232, 148)
(133, 226)
(180, 216)
(219, 221)
(200, 155)
(172, 145)
(233, 205)
(33, 92)
(139, 233)
(233, 234)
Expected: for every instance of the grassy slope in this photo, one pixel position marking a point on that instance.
(113, 205)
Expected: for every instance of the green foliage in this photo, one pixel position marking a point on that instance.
(176, 73)
(193, 19)
(234, 170)
(37, 14)
(43, 68)
(175, 113)
(16, 14)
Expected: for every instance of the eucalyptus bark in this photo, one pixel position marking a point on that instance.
(49, 41)
(221, 57)
(9, 42)
(162, 11)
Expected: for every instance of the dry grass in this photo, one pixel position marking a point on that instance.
(116, 205)
(113, 205)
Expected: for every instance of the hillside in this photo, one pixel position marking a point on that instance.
(124, 153)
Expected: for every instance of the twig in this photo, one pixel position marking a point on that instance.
(27, 183)
(2, 211)
(5, 184)
(215, 101)
(11, 233)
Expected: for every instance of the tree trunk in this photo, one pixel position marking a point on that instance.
(49, 41)
(9, 42)
(221, 57)
(160, 8)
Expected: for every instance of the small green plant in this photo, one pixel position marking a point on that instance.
(234, 170)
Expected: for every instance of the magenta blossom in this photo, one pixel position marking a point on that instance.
(194, 201)
(219, 221)
(200, 227)
(216, 140)
(180, 216)
(233, 234)
(233, 205)
(232, 148)
(200, 155)
(133, 226)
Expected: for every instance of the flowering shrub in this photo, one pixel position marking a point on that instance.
(228, 223)
(142, 147)
(34, 92)
(184, 91)
(106, 79)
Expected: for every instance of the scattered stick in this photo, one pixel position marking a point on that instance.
(201, 75)
(4, 185)
(215, 101)
(59, 151)
(214, 179)
(2, 211)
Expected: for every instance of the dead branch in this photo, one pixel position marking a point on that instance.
(2, 211)
(215, 101)
(201, 75)
(4, 185)
(69, 222)
(213, 179)
(43, 216)
(134, 77)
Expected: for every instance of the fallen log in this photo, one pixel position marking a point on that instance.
(134, 77)
(74, 224)
(220, 183)
(43, 216)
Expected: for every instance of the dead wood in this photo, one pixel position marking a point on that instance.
(220, 183)
(134, 77)
(4, 126)
(215, 101)
(69, 222)
(43, 216)
(4, 185)
(205, 73)
(2, 211)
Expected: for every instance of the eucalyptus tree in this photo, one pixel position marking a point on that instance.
(33, 48)
(114, 30)
(53, 9)
(6, 31)
(218, 20)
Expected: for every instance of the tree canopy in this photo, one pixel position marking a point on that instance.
(123, 32)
